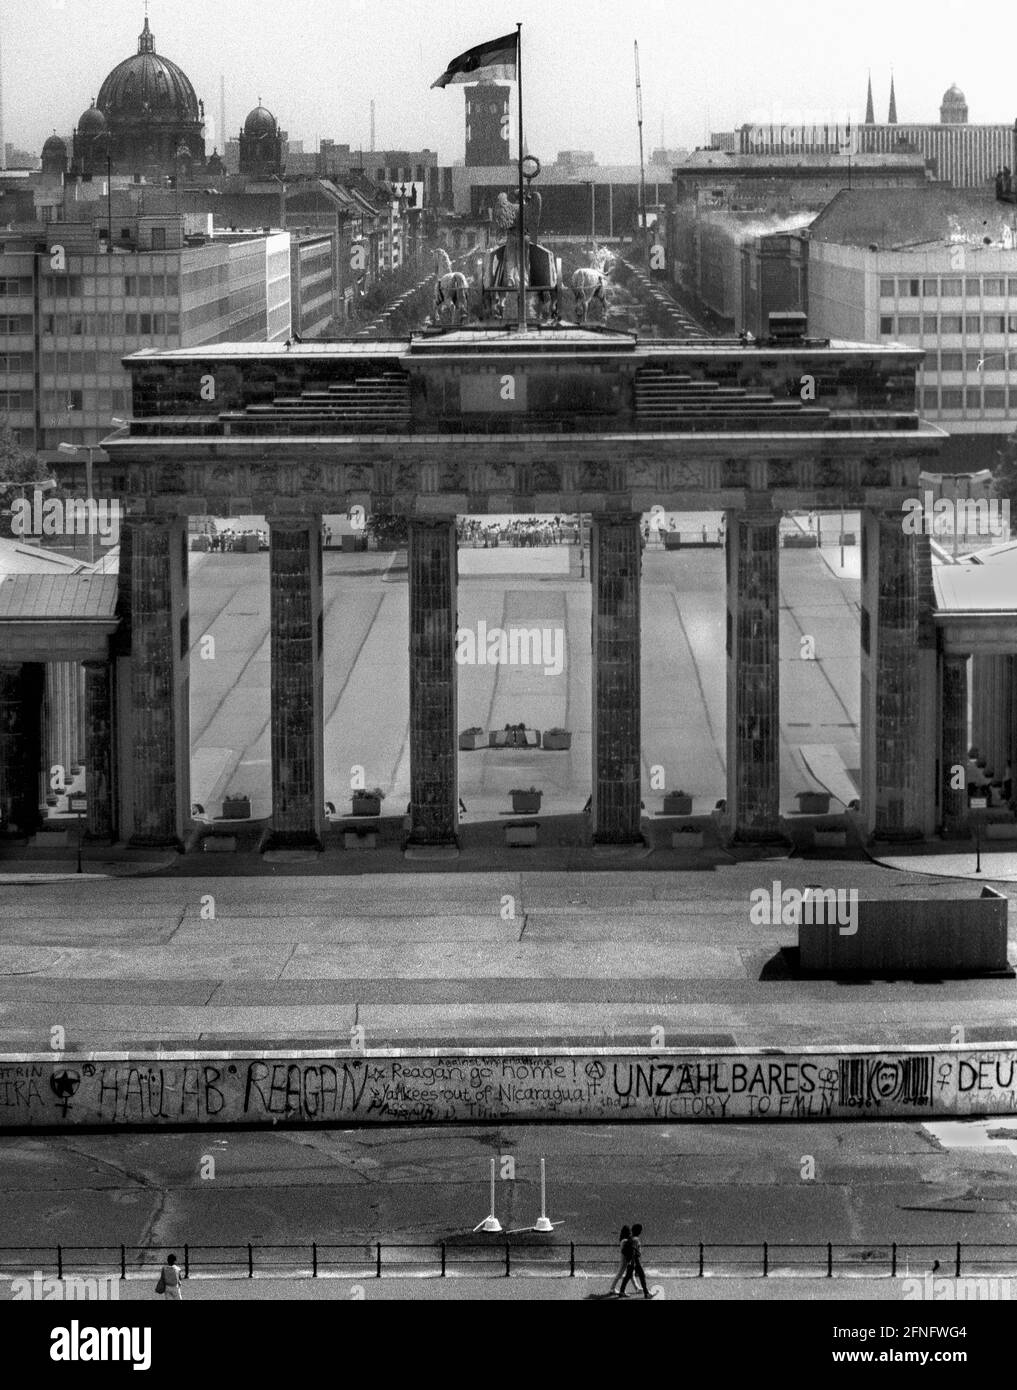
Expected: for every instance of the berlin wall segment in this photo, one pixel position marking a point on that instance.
(118, 1091)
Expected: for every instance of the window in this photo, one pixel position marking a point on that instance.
(144, 285)
(1011, 323)
(75, 400)
(972, 361)
(993, 287)
(973, 397)
(972, 323)
(930, 323)
(1011, 285)
(930, 287)
(145, 325)
(952, 397)
(951, 361)
(1013, 397)
(995, 398)
(158, 238)
(909, 289)
(950, 288)
(930, 398)
(908, 323)
(950, 323)
(973, 288)
(172, 284)
(15, 323)
(995, 323)
(15, 400)
(14, 362)
(886, 325)
(886, 289)
(15, 284)
(131, 325)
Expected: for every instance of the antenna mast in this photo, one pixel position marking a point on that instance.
(372, 125)
(642, 171)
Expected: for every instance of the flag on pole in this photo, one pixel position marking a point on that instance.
(493, 61)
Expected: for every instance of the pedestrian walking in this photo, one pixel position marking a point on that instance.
(625, 1245)
(169, 1281)
(634, 1268)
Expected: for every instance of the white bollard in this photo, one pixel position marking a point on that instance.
(542, 1223)
(490, 1223)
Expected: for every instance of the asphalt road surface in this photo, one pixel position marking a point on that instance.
(860, 1184)
(366, 683)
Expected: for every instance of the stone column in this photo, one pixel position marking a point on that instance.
(898, 736)
(21, 701)
(615, 565)
(434, 772)
(298, 779)
(753, 675)
(158, 761)
(954, 751)
(99, 763)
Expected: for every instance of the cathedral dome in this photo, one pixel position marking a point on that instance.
(149, 87)
(260, 122)
(92, 122)
(54, 148)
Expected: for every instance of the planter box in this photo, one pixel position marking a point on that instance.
(1001, 830)
(366, 805)
(555, 741)
(360, 839)
(526, 803)
(672, 540)
(687, 839)
(199, 543)
(469, 740)
(521, 834)
(847, 538)
(813, 803)
(801, 542)
(829, 839)
(677, 804)
(236, 808)
(515, 738)
(348, 542)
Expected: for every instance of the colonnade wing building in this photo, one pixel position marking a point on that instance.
(490, 422)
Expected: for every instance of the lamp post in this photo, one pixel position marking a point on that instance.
(593, 209)
(978, 803)
(88, 450)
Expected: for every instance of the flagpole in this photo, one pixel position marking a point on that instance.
(522, 231)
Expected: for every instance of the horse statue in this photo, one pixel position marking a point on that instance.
(451, 291)
(590, 283)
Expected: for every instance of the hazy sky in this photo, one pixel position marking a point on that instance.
(318, 63)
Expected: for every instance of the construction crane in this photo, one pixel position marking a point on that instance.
(639, 120)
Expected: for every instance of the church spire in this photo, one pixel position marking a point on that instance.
(146, 39)
(870, 115)
(891, 118)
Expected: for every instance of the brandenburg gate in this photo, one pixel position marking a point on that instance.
(548, 420)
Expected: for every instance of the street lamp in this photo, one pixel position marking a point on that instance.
(88, 450)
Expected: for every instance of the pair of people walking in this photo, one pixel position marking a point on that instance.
(631, 1266)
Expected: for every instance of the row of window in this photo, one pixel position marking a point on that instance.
(74, 399)
(15, 284)
(134, 286)
(936, 324)
(948, 287)
(12, 325)
(11, 362)
(977, 361)
(110, 325)
(969, 398)
(15, 400)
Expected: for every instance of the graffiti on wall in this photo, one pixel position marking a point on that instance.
(467, 1088)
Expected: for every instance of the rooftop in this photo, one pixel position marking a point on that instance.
(81, 597)
(903, 218)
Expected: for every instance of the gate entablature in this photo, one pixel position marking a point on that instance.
(557, 420)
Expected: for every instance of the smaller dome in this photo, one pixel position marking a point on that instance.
(54, 145)
(260, 121)
(954, 93)
(92, 122)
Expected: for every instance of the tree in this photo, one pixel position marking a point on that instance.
(17, 465)
(1004, 475)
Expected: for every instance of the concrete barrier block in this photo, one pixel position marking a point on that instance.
(953, 936)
